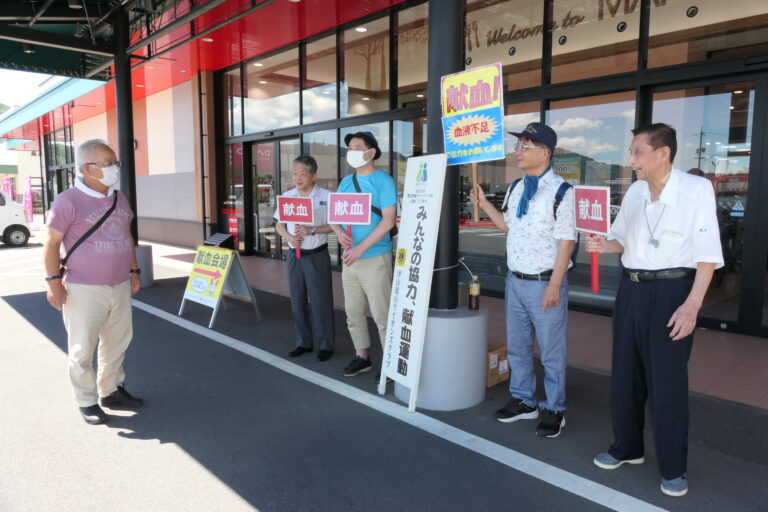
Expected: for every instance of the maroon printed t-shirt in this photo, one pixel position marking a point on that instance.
(105, 256)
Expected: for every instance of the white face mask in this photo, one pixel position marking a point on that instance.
(355, 159)
(111, 175)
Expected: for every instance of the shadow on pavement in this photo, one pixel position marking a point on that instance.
(281, 443)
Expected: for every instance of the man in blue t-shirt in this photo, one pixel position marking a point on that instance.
(367, 271)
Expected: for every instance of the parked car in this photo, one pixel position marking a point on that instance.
(13, 222)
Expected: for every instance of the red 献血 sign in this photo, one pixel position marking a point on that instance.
(349, 208)
(295, 209)
(593, 214)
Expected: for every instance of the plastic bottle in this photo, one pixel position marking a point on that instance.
(474, 293)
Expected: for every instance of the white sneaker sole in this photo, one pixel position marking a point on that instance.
(618, 464)
(552, 436)
(527, 416)
(675, 494)
(359, 371)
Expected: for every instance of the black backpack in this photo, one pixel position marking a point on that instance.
(559, 195)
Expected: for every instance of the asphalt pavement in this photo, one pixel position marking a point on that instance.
(231, 423)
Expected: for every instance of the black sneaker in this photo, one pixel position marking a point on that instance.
(516, 410)
(358, 365)
(94, 415)
(121, 398)
(551, 423)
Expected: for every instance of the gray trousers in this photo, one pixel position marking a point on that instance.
(310, 282)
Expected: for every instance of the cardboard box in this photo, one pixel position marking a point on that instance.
(497, 367)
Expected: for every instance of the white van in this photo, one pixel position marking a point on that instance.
(13, 222)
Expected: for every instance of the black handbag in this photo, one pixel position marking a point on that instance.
(88, 233)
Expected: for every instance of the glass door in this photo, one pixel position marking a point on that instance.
(714, 126)
(271, 175)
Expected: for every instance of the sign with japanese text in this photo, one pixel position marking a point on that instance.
(473, 113)
(209, 271)
(295, 209)
(412, 276)
(217, 273)
(349, 208)
(592, 209)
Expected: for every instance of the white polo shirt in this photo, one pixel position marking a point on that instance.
(683, 220)
(319, 197)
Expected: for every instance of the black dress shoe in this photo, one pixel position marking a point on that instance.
(121, 398)
(298, 351)
(324, 355)
(94, 415)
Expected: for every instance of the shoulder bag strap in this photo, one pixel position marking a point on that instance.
(374, 209)
(90, 231)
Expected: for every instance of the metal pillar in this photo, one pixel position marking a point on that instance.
(446, 39)
(124, 108)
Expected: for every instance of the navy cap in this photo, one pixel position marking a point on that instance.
(367, 137)
(539, 132)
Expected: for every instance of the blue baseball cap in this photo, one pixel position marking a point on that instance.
(369, 139)
(539, 132)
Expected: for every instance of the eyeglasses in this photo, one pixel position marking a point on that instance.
(522, 147)
(102, 165)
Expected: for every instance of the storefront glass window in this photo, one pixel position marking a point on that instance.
(482, 245)
(365, 80)
(592, 39)
(323, 146)
(381, 132)
(594, 134)
(412, 37)
(233, 103)
(409, 138)
(714, 140)
(506, 31)
(272, 92)
(683, 31)
(319, 94)
(232, 206)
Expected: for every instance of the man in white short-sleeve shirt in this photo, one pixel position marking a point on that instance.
(309, 271)
(668, 236)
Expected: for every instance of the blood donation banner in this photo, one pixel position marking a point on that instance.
(412, 276)
(473, 113)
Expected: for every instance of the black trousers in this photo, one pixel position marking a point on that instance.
(648, 365)
(309, 281)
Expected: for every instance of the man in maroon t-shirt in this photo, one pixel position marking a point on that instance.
(94, 294)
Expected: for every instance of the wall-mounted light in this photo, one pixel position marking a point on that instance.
(361, 29)
(262, 81)
(207, 39)
(75, 4)
(258, 64)
(27, 48)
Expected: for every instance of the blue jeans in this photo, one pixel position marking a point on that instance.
(522, 303)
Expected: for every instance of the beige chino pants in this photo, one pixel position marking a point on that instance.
(367, 282)
(97, 315)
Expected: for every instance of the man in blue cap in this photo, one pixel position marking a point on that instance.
(538, 217)
(367, 271)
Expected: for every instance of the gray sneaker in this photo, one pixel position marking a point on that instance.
(516, 410)
(676, 487)
(607, 461)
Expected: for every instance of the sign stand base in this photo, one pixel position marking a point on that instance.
(236, 287)
(453, 366)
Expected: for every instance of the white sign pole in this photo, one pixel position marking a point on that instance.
(412, 277)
